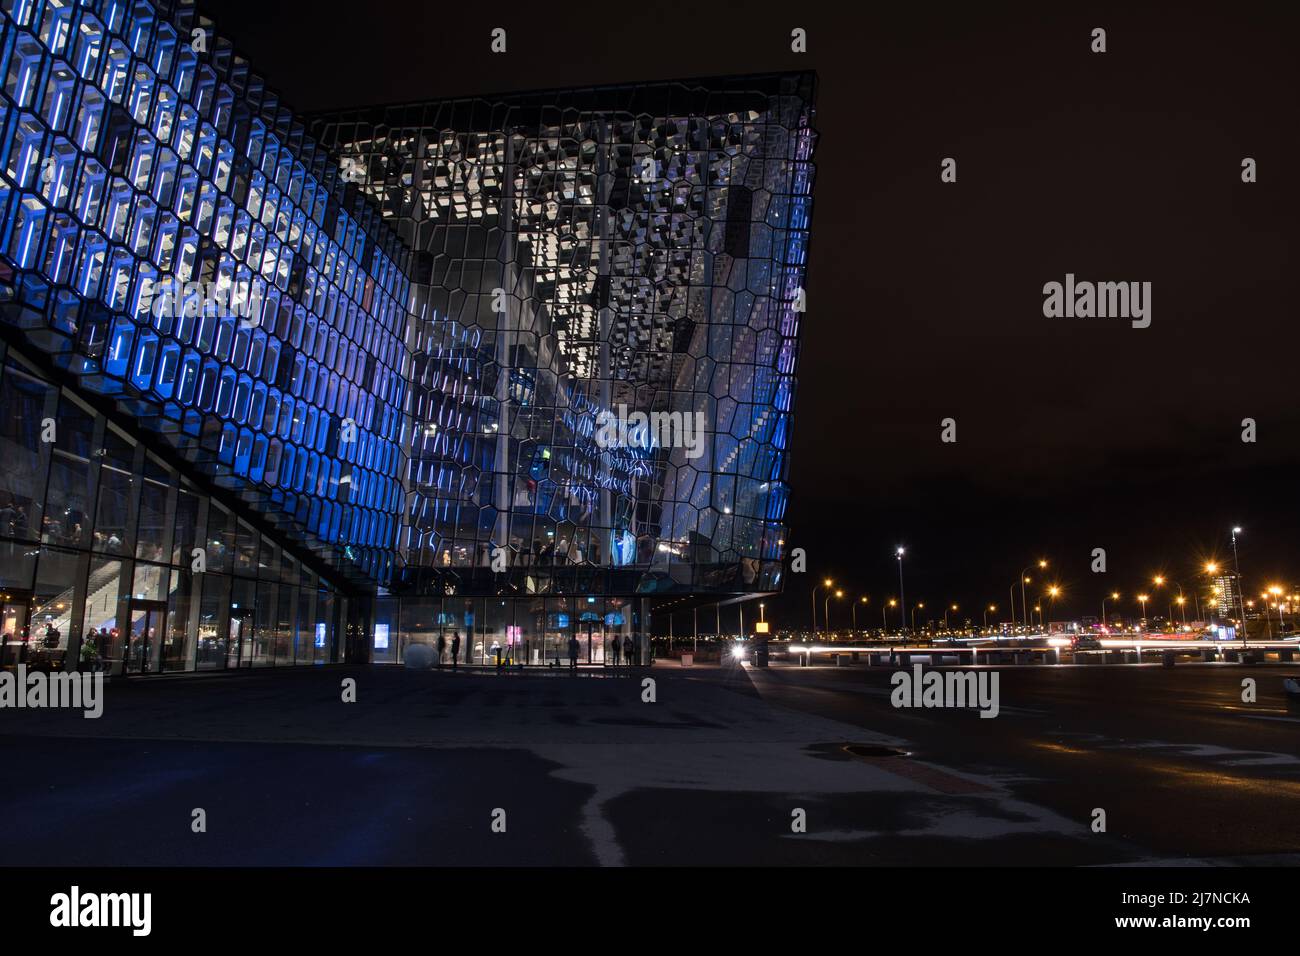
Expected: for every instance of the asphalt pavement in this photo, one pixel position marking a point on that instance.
(726, 765)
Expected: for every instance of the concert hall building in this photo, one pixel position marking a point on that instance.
(283, 390)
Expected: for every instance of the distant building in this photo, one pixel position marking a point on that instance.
(1225, 597)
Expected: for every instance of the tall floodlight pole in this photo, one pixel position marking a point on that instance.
(1241, 594)
(902, 598)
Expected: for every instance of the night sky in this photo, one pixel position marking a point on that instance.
(925, 299)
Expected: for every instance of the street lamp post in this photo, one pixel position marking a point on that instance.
(826, 583)
(1182, 599)
(861, 600)
(826, 612)
(1023, 581)
(945, 616)
(1052, 594)
(1114, 596)
(991, 607)
(883, 625)
(1159, 580)
(1142, 599)
(1275, 593)
(921, 606)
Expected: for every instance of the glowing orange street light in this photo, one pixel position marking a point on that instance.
(1114, 596)
(861, 600)
(826, 583)
(826, 609)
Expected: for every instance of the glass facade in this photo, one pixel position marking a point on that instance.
(178, 245)
(498, 372)
(582, 258)
(96, 564)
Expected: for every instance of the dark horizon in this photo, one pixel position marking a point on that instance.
(925, 298)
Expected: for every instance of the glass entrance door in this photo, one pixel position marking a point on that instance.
(15, 621)
(239, 648)
(148, 621)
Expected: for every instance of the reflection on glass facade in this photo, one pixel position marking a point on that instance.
(580, 256)
(366, 365)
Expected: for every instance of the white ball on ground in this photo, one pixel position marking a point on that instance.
(418, 657)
